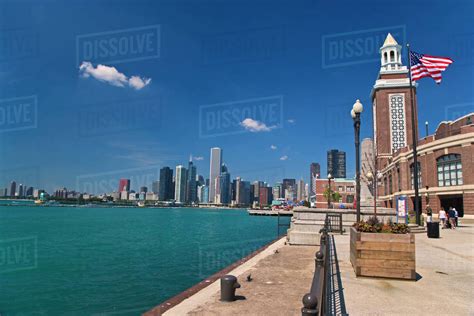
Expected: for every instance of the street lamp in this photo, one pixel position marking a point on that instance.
(329, 190)
(357, 109)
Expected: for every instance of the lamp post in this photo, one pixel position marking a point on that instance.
(329, 190)
(357, 109)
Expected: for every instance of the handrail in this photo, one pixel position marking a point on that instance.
(314, 302)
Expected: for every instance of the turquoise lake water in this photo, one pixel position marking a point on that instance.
(115, 261)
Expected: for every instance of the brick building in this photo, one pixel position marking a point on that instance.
(445, 159)
(345, 187)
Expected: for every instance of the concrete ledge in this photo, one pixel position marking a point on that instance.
(205, 294)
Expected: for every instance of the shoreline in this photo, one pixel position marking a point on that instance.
(213, 279)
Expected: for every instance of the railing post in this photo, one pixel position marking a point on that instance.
(310, 305)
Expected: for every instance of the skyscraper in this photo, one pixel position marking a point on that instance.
(214, 172)
(124, 185)
(314, 173)
(289, 185)
(155, 187)
(224, 186)
(300, 190)
(336, 163)
(191, 187)
(165, 191)
(180, 184)
(276, 191)
(12, 189)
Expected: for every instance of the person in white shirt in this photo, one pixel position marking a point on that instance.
(442, 217)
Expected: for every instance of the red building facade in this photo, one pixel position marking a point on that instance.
(445, 159)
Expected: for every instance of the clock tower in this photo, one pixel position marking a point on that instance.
(391, 102)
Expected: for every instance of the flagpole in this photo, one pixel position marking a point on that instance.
(414, 140)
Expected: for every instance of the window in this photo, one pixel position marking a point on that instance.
(390, 183)
(350, 199)
(412, 173)
(385, 57)
(449, 170)
(392, 56)
(340, 188)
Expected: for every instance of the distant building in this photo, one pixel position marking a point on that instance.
(203, 193)
(345, 187)
(143, 189)
(155, 187)
(289, 185)
(314, 173)
(124, 195)
(265, 196)
(214, 172)
(124, 185)
(166, 188)
(224, 186)
(336, 164)
(277, 191)
(180, 184)
(191, 186)
(300, 194)
(29, 192)
(12, 189)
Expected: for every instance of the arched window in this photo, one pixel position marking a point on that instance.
(385, 57)
(392, 56)
(449, 170)
(412, 172)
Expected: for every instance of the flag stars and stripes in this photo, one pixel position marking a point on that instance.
(422, 65)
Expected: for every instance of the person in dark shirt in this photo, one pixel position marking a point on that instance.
(452, 218)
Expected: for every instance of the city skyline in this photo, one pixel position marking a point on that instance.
(294, 89)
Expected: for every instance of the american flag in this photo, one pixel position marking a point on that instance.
(428, 66)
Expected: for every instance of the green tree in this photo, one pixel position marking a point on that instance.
(335, 196)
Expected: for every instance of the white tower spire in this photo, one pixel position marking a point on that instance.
(390, 54)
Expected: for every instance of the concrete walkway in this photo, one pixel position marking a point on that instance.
(445, 284)
(444, 287)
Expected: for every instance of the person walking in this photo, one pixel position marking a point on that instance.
(442, 217)
(456, 216)
(429, 214)
(452, 218)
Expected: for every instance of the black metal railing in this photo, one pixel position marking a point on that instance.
(315, 302)
(335, 222)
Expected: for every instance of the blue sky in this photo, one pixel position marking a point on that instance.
(286, 64)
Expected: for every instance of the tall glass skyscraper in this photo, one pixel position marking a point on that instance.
(337, 163)
(214, 172)
(165, 190)
(191, 187)
(180, 184)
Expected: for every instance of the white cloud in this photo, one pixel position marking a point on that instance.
(137, 83)
(285, 157)
(112, 76)
(273, 147)
(255, 126)
(291, 121)
(198, 158)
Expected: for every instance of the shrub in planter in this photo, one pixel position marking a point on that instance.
(373, 225)
(382, 250)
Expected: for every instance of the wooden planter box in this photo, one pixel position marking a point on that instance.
(383, 255)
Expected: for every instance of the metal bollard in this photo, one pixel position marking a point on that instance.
(310, 303)
(228, 286)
